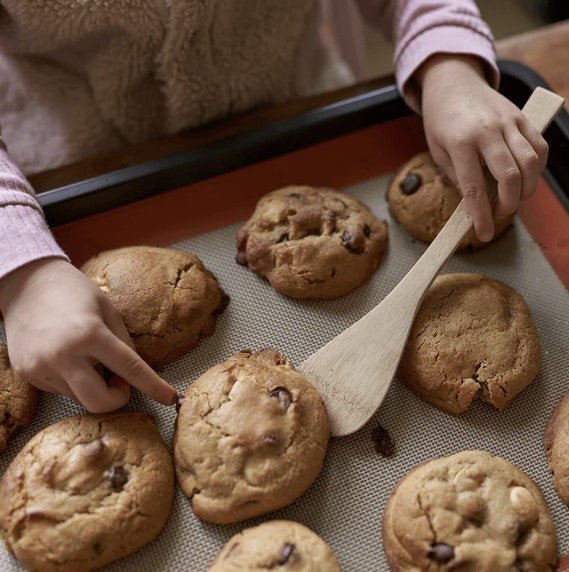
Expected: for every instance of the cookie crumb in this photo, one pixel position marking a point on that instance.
(382, 441)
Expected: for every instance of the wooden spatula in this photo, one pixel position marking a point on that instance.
(353, 371)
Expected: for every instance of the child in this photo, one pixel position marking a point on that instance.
(81, 77)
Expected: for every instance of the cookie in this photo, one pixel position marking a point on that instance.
(556, 443)
(18, 399)
(563, 564)
(277, 544)
(421, 198)
(470, 511)
(473, 338)
(86, 491)
(167, 299)
(312, 243)
(250, 437)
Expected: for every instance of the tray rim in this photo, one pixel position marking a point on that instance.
(123, 186)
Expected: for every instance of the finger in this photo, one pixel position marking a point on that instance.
(526, 158)
(504, 169)
(114, 321)
(443, 160)
(535, 139)
(55, 385)
(43, 385)
(92, 392)
(466, 163)
(126, 363)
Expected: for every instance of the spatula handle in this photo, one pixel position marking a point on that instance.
(540, 109)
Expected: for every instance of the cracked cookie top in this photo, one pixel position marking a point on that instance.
(556, 442)
(86, 491)
(166, 297)
(471, 512)
(473, 338)
(18, 399)
(421, 198)
(277, 544)
(250, 437)
(312, 243)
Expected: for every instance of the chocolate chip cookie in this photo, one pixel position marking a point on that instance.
(471, 511)
(556, 442)
(86, 491)
(312, 243)
(473, 338)
(18, 399)
(250, 437)
(421, 198)
(166, 297)
(277, 544)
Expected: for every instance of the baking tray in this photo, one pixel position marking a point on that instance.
(345, 505)
(147, 179)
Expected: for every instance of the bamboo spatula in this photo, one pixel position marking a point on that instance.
(353, 371)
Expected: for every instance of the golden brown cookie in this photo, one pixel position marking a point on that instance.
(166, 297)
(86, 491)
(277, 544)
(421, 198)
(473, 338)
(250, 437)
(471, 511)
(18, 399)
(312, 243)
(556, 442)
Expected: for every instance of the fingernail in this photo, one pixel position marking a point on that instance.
(485, 236)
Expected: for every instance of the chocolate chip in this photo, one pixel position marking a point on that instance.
(332, 273)
(97, 548)
(179, 403)
(347, 243)
(283, 396)
(286, 552)
(282, 238)
(118, 476)
(411, 183)
(383, 442)
(440, 552)
(241, 258)
(524, 530)
(222, 304)
(367, 230)
(295, 196)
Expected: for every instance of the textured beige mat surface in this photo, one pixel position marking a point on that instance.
(345, 505)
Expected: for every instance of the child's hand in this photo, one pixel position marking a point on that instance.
(60, 325)
(468, 125)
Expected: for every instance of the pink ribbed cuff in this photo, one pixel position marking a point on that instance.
(24, 237)
(444, 39)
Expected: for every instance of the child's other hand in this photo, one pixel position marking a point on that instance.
(469, 125)
(60, 325)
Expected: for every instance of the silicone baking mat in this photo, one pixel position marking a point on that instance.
(345, 505)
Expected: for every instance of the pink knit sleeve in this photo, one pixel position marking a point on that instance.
(422, 28)
(24, 234)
